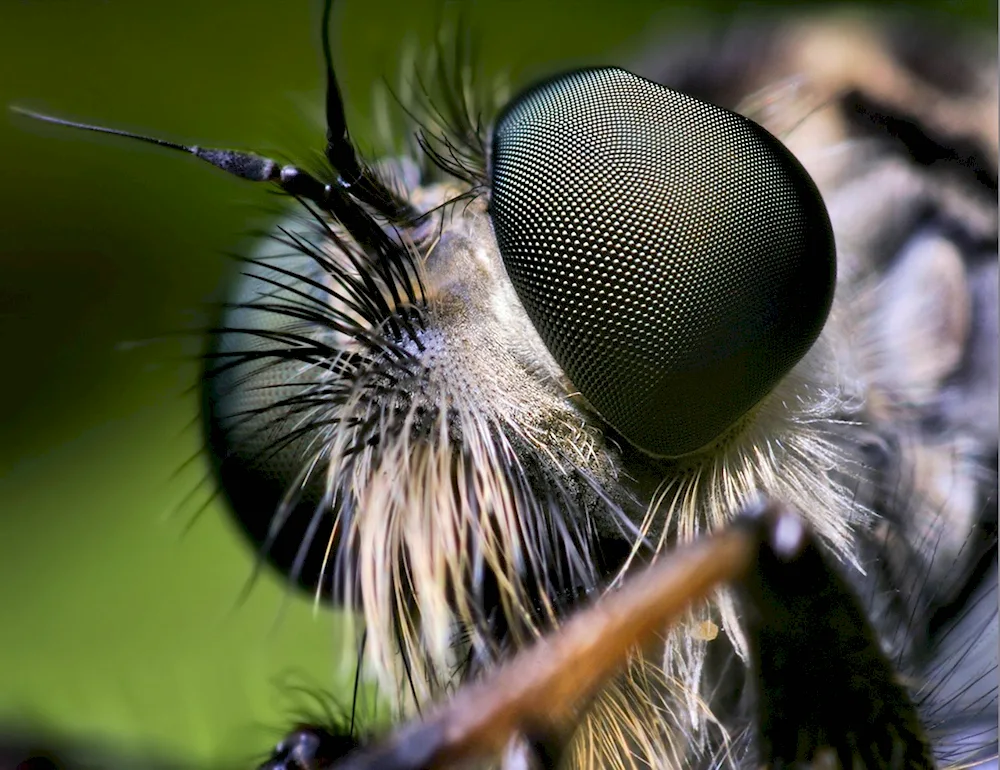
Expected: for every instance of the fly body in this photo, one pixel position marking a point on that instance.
(574, 335)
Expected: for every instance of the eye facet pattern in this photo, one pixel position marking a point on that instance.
(676, 259)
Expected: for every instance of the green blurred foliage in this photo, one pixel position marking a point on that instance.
(121, 611)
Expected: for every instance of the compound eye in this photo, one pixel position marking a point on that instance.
(675, 258)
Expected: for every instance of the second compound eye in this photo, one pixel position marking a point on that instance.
(675, 258)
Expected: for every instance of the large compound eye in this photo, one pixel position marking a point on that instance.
(675, 258)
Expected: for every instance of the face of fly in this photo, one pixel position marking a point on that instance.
(462, 391)
(113, 259)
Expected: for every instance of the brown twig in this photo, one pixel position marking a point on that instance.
(540, 690)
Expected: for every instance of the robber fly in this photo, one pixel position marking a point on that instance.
(571, 338)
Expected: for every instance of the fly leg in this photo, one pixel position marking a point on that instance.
(825, 693)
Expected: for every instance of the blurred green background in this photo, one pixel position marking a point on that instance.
(120, 620)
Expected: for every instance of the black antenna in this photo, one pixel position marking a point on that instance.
(392, 261)
(355, 177)
(245, 165)
(339, 149)
(353, 198)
